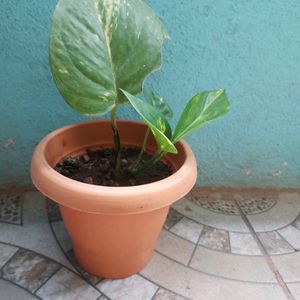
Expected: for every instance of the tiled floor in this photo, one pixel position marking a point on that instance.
(216, 245)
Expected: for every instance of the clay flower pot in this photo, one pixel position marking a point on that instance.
(113, 229)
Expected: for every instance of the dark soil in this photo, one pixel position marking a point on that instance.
(97, 167)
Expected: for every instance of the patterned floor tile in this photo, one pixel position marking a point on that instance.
(199, 286)
(292, 236)
(10, 208)
(179, 268)
(285, 211)
(288, 266)
(244, 244)
(6, 252)
(35, 234)
(255, 204)
(215, 239)
(188, 229)
(210, 218)
(236, 267)
(215, 202)
(224, 202)
(174, 247)
(274, 243)
(29, 270)
(132, 288)
(172, 218)
(66, 285)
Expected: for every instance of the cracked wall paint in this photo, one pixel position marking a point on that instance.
(249, 47)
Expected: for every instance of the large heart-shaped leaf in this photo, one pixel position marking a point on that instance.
(100, 46)
(158, 124)
(158, 102)
(200, 110)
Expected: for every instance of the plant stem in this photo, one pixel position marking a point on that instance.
(149, 164)
(117, 142)
(143, 149)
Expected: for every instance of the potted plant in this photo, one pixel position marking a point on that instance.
(100, 53)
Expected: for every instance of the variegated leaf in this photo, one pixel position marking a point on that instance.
(98, 47)
(199, 111)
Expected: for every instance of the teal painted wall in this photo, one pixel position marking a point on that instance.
(252, 48)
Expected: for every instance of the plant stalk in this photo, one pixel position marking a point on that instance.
(149, 164)
(117, 142)
(143, 149)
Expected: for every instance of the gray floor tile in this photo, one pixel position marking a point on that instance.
(66, 285)
(29, 270)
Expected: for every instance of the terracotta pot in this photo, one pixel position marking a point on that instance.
(113, 229)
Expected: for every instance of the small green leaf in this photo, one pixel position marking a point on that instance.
(158, 102)
(158, 124)
(200, 110)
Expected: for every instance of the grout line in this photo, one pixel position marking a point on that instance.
(10, 259)
(234, 231)
(153, 297)
(45, 282)
(295, 250)
(216, 250)
(98, 281)
(52, 260)
(101, 297)
(268, 259)
(229, 242)
(61, 266)
(194, 250)
(212, 274)
(200, 237)
(22, 200)
(169, 229)
(163, 287)
(10, 223)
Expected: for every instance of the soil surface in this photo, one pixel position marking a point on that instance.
(97, 167)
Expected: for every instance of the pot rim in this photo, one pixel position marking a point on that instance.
(129, 199)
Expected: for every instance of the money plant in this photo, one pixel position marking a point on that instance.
(101, 51)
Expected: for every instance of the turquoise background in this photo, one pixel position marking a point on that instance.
(251, 48)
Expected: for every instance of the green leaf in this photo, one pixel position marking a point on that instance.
(98, 47)
(200, 110)
(158, 124)
(158, 102)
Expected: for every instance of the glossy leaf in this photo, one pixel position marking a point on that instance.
(158, 102)
(158, 124)
(200, 110)
(100, 46)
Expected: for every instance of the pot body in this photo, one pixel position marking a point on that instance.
(113, 229)
(113, 246)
